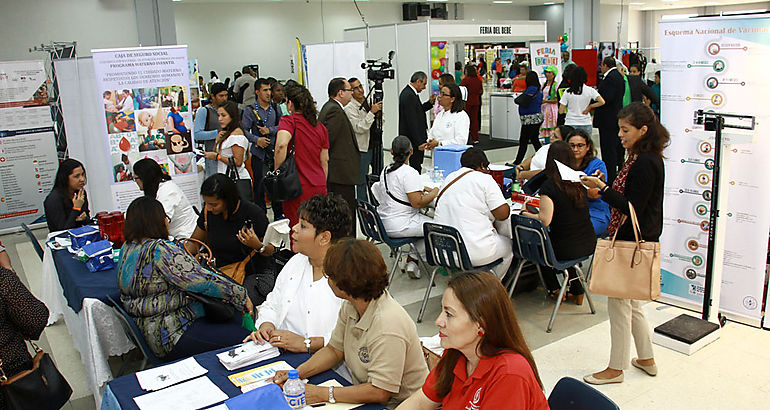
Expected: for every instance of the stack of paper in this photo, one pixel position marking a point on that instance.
(191, 395)
(246, 354)
(161, 377)
(568, 174)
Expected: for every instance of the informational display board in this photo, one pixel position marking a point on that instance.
(145, 100)
(28, 160)
(715, 64)
(542, 55)
(325, 61)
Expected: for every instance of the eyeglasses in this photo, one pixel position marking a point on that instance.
(444, 95)
(579, 146)
(347, 89)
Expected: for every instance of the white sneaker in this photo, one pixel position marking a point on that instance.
(413, 270)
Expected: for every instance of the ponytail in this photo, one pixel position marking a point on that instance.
(401, 147)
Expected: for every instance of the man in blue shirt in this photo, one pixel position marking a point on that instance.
(206, 124)
(260, 125)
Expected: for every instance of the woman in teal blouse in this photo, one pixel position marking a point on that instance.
(155, 275)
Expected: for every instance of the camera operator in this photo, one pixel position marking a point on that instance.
(361, 117)
(260, 124)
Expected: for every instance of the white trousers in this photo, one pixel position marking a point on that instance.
(413, 228)
(626, 320)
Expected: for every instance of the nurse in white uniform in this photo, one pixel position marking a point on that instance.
(155, 183)
(401, 194)
(451, 125)
(472, 204)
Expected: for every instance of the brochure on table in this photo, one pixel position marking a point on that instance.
(145, 98)
(28, 160)
(715, 64)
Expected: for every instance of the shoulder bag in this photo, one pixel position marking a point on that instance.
(237, 270)
(385, 178)
(626, 269)
(283, 184)
(243, 185)
(450, 184)
(43, 387)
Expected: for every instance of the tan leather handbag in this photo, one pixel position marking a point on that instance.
(626, 269)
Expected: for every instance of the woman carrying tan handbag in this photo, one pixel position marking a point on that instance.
(640, 183)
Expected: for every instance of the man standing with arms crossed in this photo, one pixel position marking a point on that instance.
(344, 158)
(411, 116)
(206, 125)
(362, 118)
(260, 124)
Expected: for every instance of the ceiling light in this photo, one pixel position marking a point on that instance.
(550, 3)
(636, 4)
(727, 13)
(503, 2)
(677, 16)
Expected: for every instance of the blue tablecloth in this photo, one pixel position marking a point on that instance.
(78, 282)
(120, 392)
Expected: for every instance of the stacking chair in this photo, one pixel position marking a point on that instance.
(373, 228)
(371, 179)
(445, 248)
(35, 243)
(572, 394)
(531, 243)
(133, 333)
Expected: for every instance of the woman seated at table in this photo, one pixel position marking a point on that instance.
(155, 183)
(234, 230)
(486, 363)
(301, 311)
(66, 207)
(374, 335)
(564, 210)
(452, 124)
(471, 201)
(401, 194)
(585, 160)
(154, 277)
(535, 164)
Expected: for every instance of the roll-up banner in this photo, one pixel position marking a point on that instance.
(145, 96)
(28, 160)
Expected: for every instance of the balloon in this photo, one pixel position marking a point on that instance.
(441, 45)
(442, 53)
(434, 84)
(435, 74)
(434, 51)
(443, 61)
(443, 68)
(435, 63)
(564, 47)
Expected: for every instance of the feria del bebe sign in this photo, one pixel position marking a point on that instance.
(501, 30)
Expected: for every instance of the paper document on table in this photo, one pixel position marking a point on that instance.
(191, 395)
(247, 354)
(258, 374)
(161, 377)
(337, 406)
(567, 173)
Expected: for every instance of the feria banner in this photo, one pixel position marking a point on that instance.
(28, 161)
(145, 98)
(543, 55)
(715, 64)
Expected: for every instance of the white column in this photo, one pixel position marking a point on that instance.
(581, 21)
(155, 22)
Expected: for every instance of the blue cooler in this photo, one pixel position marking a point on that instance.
(99, 256)
(447, 157)
(84, 235)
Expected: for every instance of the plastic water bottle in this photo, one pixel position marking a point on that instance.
(436, 177)
(294, 391)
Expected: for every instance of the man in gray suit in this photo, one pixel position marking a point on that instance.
(344, 159)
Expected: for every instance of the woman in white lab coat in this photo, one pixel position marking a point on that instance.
(401, 194)
(451, 125)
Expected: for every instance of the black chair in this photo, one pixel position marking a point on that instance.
(531, 243)
(445, 248)
(572, 394)
(371, 179)
(33, 239)
(373, 228)
(134, 334)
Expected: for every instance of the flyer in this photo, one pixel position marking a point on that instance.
(28, 160)
(145, 97)
(715, 64)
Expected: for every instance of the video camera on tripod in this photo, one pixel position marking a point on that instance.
(378, 72)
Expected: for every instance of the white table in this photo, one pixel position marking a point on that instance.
(96, 330)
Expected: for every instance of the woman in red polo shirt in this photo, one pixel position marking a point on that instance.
(486, 365)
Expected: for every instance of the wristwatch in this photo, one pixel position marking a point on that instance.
(331, 395)
(307, 344)
(262, 249)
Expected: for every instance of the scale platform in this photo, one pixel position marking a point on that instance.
(686, 334)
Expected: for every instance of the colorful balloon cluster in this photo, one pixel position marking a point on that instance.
(564, 40)
(437, 62)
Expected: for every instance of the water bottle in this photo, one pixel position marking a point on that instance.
(294, 391)
(436, 174)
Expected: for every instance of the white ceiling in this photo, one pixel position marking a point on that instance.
(642, 5)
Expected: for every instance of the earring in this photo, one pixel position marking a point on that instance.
(481, 334)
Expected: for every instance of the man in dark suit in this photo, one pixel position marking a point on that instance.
(611, 89)
(639, 88)
(344, 159)
(411, 116)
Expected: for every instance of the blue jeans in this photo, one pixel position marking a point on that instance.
(362, 189)
(589, 129)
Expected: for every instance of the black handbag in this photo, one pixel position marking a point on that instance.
(243, 185)
(217, 310)
(283, 184)
(41, 387)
